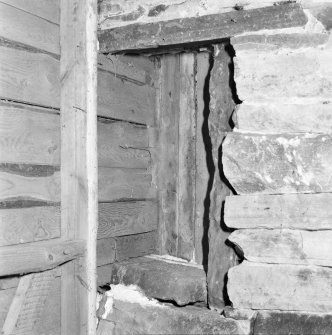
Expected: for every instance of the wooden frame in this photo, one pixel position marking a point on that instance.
(79, 191)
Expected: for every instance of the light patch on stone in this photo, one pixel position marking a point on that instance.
(313, 25)
(174, 260)
(289, 157)
(294, 142)
(268, 178)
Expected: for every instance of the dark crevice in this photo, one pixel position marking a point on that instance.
(209, 164)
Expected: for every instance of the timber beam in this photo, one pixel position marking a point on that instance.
(208, 28)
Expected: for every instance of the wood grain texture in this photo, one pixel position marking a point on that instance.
(27, 135)
(187, 159)
(46, 9)
(22, 225)
(106, 251)
(123, 145)
(272, 164)
(20, 26)
(38, 256)
(168, 152)
(284, 246)
(124, 100)
(124, 184)
(205, 28)
(279, 117)
(29, 77)
(292, 211)
(126, 218)
(282, 287)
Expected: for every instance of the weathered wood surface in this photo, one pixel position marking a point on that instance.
(284, 75)
(125, 100)
(123, 145)
(126, 218)
(6, 297)
(38, 256)
(46, 9)
(274, 117)
(278, 322)
(278, 163)
(162, 280)
(27, 135)
(106, 251)
(187, 158)
(135, 313)
(9, 282)
(284, 246)
(20, 26)
(124, 184)
(293, 211)
(29, 77)
(168, 152)
(205, 28)
(22, 225)
(220, 256)
(282, 287)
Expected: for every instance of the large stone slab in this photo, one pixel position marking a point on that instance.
(125, 310)
(282, 287)
(282, 163)
(163, 280)
(284, 246)
(293, 211)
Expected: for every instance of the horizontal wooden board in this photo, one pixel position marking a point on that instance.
(29, 77)
(283, 287)
(106, 251)
(284, 75)
(20, 26)
(125, 100)
(124, 184)
(135, 245)
(293, 211)
(126, 218)
(284, 163)
(284, 246)
(46, 9)
(205, 28)
(123, 145)
(27, 135)
(38, 256)
(274, 117)
(22, 225)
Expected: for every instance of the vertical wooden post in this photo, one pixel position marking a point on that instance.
(79, 190)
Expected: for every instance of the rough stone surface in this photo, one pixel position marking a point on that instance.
(284, 246)
(278, 163)
(277, 322)
(163, 280)
(282, 287)
(130, 312)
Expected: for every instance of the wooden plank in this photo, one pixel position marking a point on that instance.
(283, 287)
(20, 26)
(8, 282)
(29, 77)
(27, 135)
(35, 187)
(79, 175)
(22, 225)
(168, 152)
(38, 256)
(205, 28)
(123, 145)
(285, 163)
(28, 304)
(202, 173)
(219, 257)
(46, 9)
(279, 117)
(187, 159)
(284, 246)
(293, 211)
(125, 100)
(124, 184)
(126, 218)
(106, 251)
(135, 245)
